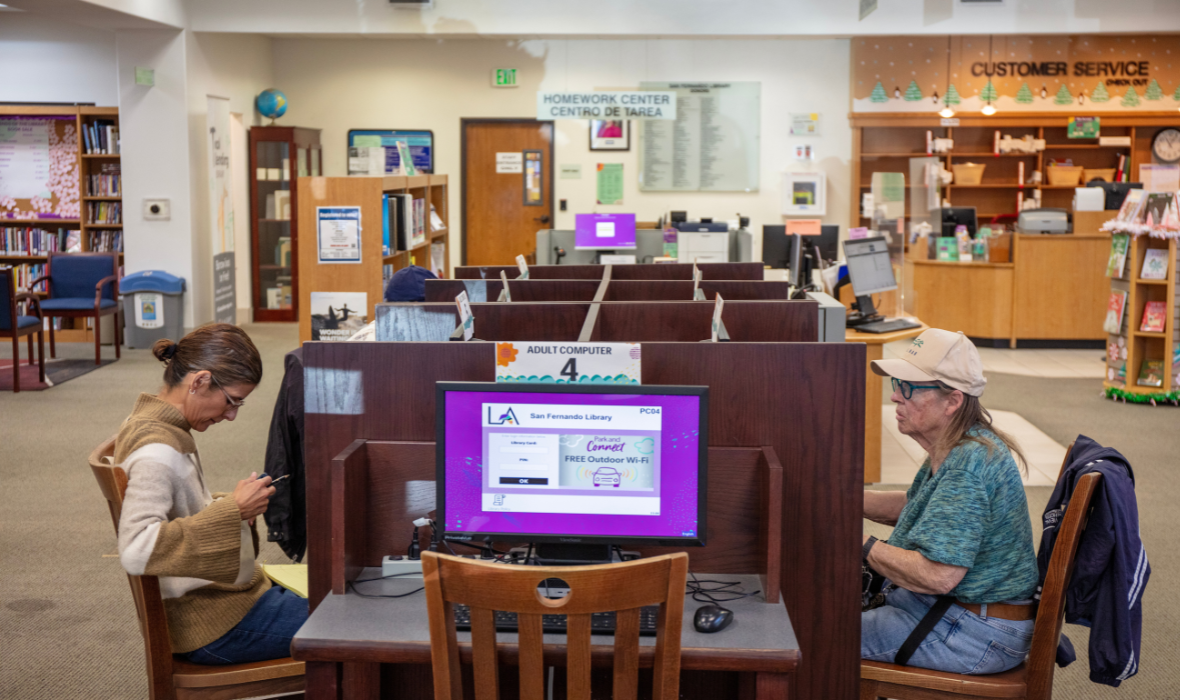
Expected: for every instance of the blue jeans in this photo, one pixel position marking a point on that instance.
(264, 633)
(961, 642)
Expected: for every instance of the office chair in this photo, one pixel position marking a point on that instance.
(487, 587)
(1033, 679)
(14, 325)
(170, 678)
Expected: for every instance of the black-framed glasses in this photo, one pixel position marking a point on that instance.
(235, 403)
(907, 388)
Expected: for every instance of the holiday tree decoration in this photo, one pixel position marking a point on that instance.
(1024, 95)
(952, 96)
(913, 93)
(1064, 96)
(989, 93)
(1154, 91)
(1176, 95)
(1100, 94)
(878, 95)
(1131, 99)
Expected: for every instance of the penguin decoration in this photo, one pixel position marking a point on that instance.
(1044, 92)
(897, 93)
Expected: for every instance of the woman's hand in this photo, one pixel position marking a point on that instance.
(253, 496)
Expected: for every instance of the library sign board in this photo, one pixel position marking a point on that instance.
(568, 363)
(1083, 73)
(618, 104)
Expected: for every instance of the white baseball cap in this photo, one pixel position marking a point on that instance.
(938, 356)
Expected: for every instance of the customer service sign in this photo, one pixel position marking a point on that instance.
(640, 104)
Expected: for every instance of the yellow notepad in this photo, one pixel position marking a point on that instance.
(293, 577)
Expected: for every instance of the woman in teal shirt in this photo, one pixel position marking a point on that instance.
(963, 527)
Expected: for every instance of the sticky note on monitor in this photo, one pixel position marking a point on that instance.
(804, 227)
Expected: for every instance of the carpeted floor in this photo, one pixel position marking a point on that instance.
(66, 617)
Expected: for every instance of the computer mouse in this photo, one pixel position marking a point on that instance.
(712, 618)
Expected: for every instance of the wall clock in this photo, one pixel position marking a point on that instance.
(1166, 146)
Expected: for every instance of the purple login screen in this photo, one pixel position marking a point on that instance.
(595, 465)
(604, 231)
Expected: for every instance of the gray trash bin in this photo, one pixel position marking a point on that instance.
(153, 307)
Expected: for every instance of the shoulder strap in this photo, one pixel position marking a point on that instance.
(925, 625)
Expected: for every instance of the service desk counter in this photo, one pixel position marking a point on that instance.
(1054, 291)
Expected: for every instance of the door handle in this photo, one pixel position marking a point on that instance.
(542, 219)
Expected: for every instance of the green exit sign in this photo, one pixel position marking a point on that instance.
(503, 77)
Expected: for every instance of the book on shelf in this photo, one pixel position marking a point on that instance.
(1132, 206)
(436, 222)
(1157, 206)
(101, 137)
(1155, 315)
(438, 251)
(282, 205)
(28, 241)
(104, 212)
(1151, 373)
(384, 224)
(1155, 264)
(405, 220)
(1114, 311)
(106, 241)
(107, 182)
(283, 252)
(1119, 243)
(419, 236)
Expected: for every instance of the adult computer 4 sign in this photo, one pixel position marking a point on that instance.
(568, 363)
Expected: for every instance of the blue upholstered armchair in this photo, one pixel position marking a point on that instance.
(14, 325)
(83, 285)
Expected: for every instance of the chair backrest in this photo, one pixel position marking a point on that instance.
(149, 606)
(7, 300)
(486, 587)
(1051, 612)
(74, 275)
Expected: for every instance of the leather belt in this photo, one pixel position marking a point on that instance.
(1004, 611)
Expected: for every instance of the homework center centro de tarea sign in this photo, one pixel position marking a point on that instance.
(1064, 73)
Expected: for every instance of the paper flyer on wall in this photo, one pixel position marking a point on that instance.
(338, 315)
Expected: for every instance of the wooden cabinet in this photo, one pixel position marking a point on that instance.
(278, 155)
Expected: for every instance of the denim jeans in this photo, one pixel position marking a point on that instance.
(961, 642)
(264, 633)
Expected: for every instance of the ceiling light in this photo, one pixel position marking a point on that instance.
(988, 109)
(946, 112)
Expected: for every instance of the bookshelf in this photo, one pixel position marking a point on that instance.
(71, 218)
(376, 266)
(274, 215)
(1142, 346)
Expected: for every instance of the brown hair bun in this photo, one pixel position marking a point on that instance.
(164, 349)
(222, 349)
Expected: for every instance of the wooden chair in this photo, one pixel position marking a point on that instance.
(83, 285)
(1033, 679)
(486, 587)
(14, 325)
(169, 677)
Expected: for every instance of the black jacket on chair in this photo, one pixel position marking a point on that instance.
(286, 516)
(1111, 571)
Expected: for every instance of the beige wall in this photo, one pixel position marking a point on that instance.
(342, 84)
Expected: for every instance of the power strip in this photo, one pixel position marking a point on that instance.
(410, 568)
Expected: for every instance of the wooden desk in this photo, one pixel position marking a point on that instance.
(875, 351)
(348, 636)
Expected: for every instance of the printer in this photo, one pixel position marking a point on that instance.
(1043, 221)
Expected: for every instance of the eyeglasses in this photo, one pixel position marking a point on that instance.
(237, 403)
(907, 388)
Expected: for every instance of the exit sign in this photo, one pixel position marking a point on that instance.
(504, 77)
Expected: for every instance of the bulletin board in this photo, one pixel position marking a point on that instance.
(711, 146)
(39, 167)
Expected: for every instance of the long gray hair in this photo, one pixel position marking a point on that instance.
(971, 414)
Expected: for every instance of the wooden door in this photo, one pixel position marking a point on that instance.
(504, 206)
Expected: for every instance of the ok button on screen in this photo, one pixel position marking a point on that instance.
(524, 481)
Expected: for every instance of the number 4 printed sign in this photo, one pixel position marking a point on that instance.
(568, 363)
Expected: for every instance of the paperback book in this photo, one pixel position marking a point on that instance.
(1154, 317)
(1119, 243)
(1114, 311)
(338, 315)
(1155, 264)
(1151, 373)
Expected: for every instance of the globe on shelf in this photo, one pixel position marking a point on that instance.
(271, 103)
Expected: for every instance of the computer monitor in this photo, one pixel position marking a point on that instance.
(570, 464)
(604, 231)
(870, 271)
(828, 242)
(950, 217)
(795, 265)
(776, 247)
(1116, 192)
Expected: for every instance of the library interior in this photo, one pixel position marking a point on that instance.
(328, 299)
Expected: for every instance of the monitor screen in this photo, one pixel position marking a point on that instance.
(572, 464)
(604, 231)
(869, 267)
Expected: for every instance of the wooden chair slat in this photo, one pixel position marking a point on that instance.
(532, 663)
(577, 662)
(626, 676)
(483, 644)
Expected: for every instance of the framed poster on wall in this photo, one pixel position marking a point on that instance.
(610, 135)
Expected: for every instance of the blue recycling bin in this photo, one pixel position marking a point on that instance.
(153, 307)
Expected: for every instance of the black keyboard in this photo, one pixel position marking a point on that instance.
(899, 324)
(600, 623)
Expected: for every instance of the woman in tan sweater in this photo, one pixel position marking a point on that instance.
(221, 608)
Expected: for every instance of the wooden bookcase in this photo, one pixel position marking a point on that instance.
(1146, 345)
(367, 276)
(279, 155)
(88, 164)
